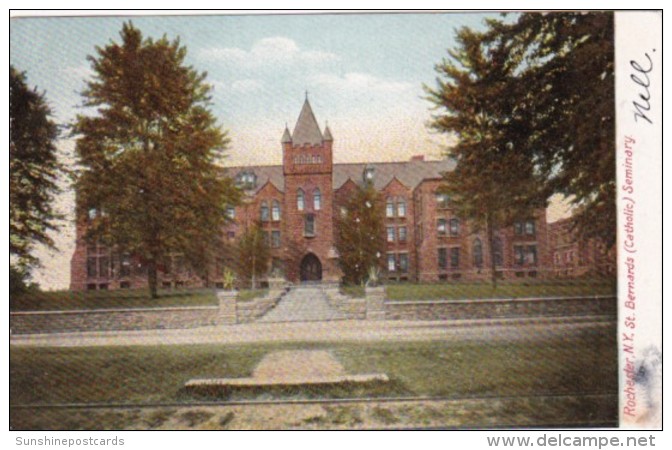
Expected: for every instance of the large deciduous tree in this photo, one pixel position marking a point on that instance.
(149, 180)
(565, 65)
(494, 181)
(34, 169)
(360, 239)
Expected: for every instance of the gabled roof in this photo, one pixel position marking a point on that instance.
(409, 173)
(306, 131)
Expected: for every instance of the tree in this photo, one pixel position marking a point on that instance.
(493, 182)
(149, 181)
(33, 172)
(565, 62)
(360, 234)
(253, 255)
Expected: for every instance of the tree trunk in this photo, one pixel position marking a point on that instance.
(152, 279)
(491, 243)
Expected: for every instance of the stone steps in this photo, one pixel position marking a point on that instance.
(302, 304)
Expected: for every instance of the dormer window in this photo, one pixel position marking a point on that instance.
(246, 180)
(275, 211)
(264, 211)
(368, 174)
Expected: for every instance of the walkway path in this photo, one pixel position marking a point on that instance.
(334, 331)
(302, 304)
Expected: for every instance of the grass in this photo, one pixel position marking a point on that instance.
(582, 362)
(247, 295)
(459, 291)
(100, 299)
(354, 291)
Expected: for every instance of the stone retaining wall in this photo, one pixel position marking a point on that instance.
(251, 310)
(112, 319)
(353, 308)
(499, 308)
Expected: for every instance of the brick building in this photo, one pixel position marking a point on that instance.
(295, 204)
(574, 257)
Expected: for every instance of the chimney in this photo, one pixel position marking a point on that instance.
(418, 158)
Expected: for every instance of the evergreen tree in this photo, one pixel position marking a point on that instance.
(253, 255)
(33, 173)
(493, 182)
(149, 181)
(360, 235)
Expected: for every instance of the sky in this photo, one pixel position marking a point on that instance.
(363, 73)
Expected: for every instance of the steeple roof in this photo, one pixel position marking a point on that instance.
(327, 134)
(286, 137)
(307, 131)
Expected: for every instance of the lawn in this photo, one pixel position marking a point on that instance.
(471, 291)
(123, 298)
(581, 363)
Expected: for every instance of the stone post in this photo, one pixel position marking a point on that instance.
(375, 303)
(227, 307)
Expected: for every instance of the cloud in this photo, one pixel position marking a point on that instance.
(355, 82)
(272, 51)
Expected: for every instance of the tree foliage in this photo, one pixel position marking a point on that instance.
(531, 103)
(493, 182)
(149, 154)
(253, 256)
(565, 63)
(360, 234)
(33, 171)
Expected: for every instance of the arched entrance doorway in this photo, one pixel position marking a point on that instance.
(311, 268)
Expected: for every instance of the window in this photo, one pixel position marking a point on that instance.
(92, 266)
(267, 239)
(309, 225)
(441, 227)
(125, 285)
(442, 201)
(443, 258)
(368, 174)
(478, 253)
(275, 211)
(402, 234)
(230, 212)
(530, 228)
(125, 265)
(93, 213)
(231, 235)
(264, 211)
(391, 262)
(275, 238)
(317, 200)
(497, 251)
(527, 227)
(401, 207)
(389, 208)
(403, 262)
(455, 257)
(525, 255)
(390, 234)
(344, 211)
(300, 200)
(454, 227)
(104, 266)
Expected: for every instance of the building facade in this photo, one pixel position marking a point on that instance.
(295, 204)
(574, 257)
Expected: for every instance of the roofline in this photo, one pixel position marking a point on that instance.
(343, 163)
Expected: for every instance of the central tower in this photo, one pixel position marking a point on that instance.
(307, 163)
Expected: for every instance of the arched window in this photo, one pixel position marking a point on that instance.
(389, 207)
(478, 253)
(264, 211)
(317, 199)
(401, 207)
(275, 211)
(300, 200)
(497, 251)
